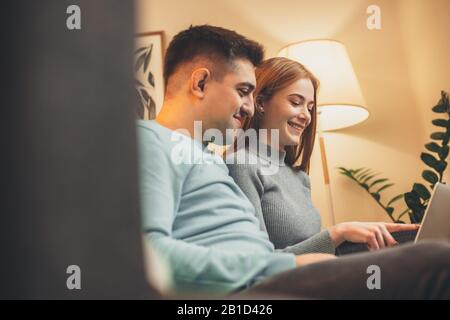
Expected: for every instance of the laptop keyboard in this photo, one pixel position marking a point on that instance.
(350, 247)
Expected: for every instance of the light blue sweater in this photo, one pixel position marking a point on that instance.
(197, 218)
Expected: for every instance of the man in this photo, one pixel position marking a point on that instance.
(197, 218)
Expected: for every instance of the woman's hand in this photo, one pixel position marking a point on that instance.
(376, 235)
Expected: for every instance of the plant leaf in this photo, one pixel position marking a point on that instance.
(363, 172)
(422, 191)
(348, 175)
(443, 104)
(148, 57)
(376, 195)
(441, 166)
(145, 95)
(344, 171)
(139, 50)
(367, 179)
(444, 100)
(430, 176)
(428, 159)
(417, 214)
(139, 61)
(440, 108)
(433, 147)
(140, 106)
(385, 187)
(151, 108)
(412, 200)
(437, 135)
(443, 152)
(377, 181)
(440, 123)
(394, 199)
(362, 177)
(151, 79)
(357, 170)
(446, 138)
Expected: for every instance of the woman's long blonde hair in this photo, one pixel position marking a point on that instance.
(272, 76)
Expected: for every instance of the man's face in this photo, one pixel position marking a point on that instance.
(228, 101)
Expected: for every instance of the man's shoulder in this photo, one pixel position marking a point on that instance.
(175, 147)
(151, 130)
(160, 153)
(155, 135)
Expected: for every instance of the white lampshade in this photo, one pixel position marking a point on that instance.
(340, 101)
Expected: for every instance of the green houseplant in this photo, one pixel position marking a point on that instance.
(417, 199)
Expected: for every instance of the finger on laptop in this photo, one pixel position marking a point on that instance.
(401, 227)
(389, 239)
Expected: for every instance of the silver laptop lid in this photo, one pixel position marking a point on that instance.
(436, 221)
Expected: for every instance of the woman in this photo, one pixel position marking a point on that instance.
(285, 103)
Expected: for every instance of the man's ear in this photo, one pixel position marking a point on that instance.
(199, 79)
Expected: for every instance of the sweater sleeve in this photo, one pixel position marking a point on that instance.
(248, 180)
(319, 243)
(193, 267)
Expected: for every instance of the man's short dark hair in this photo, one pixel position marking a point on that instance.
(217, 44)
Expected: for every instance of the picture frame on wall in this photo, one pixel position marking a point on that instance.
(148, 68)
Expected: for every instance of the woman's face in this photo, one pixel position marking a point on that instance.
(289, 110)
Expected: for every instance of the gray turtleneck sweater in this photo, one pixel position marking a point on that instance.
(282, 199)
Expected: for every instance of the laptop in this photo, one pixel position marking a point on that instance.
(436, 221)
